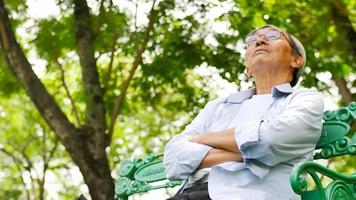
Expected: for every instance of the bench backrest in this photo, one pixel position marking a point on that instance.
(336, 139)
(136, 176)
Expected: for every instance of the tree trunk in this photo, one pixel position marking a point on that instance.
(339, 15)
(344, 91)
(85, 145)
(95, 167)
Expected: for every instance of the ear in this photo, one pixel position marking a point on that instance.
(297, 61)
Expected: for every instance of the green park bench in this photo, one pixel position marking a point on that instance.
(142, 175)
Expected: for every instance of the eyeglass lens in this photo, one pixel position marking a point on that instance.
(270, 35)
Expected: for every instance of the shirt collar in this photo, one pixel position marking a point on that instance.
(282, 90)
(277, 91)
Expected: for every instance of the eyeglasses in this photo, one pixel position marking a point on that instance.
(270, 35)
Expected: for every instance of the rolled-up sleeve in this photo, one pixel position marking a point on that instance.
(291, 134)
(181, 157)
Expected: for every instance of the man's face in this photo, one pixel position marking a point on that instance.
(272, 55)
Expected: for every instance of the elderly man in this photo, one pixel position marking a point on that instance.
(244, 146)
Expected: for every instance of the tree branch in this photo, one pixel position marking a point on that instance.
(136, 28)
(126, 83)
(18, 164)
(29, 168)
(108, 74)
(344, 91)
(86, 145)
(42, 180)
(342, 22)
(21, 68)
(92, 159)
(46, 157)
(339, 15)
(95, 112)
(74, 107)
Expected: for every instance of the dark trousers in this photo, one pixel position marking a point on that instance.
(196, 192)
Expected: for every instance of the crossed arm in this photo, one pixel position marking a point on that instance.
(224, 147)
(288, 135)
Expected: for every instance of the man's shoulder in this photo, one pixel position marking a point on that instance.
(307, 97)
(218, 100)
(306, 91)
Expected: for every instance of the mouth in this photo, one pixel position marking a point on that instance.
(260, 51)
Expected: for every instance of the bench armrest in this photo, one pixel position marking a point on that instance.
(136, 176)
(342, 187)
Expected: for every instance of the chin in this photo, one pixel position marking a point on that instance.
(261, 61)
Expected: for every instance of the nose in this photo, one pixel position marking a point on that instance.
(261, 40)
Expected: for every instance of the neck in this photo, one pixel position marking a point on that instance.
(265, 82)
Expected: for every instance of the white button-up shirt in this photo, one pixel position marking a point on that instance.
(273, 132)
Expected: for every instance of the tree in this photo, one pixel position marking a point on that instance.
(86, 145)
(85, 139)
(107, 77)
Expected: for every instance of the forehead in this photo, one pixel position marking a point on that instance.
(264, 30)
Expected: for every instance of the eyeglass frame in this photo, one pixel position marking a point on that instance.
(290, 42)
(295, 50)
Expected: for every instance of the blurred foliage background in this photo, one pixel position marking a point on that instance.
(158, 63)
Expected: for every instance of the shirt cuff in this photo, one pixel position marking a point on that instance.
(247, 136)
(249, 141)
(183, 159)
(251, 148)
(191, 159)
